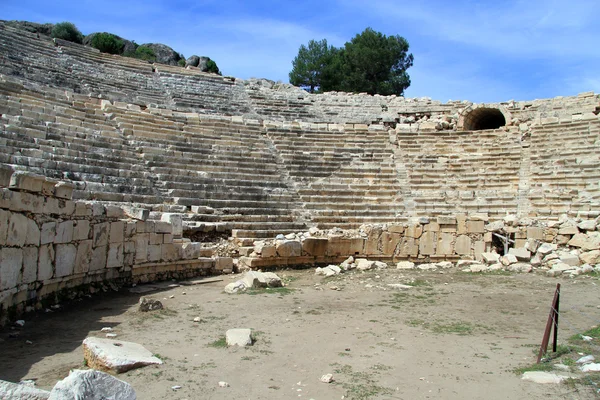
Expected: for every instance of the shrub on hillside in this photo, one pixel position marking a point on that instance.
(181, 62)
(108, 43)
(142, 53)
(67, 31)
(211, 66)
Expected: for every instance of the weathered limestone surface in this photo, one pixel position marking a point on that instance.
(116, 356)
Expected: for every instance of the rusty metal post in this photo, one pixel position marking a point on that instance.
(552, 322)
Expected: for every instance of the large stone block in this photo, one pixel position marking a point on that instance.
(176, 221)
(427, 243)
(30, 264)
(81, 230)
(586, 241)
(26, 181)
(170, 252)
(534, 232)
(461, 224)
(163, 227)
(45, 262)
(289, 248)
(114, 258)
(100, 237)
(99, 255)
(64, 232)
(316, 247)
(141, 247)
(33, 233)
(11, 262)
(17, 230)
(414, 231)
(463, 245)
(154, 252)
(444, 246)
(479, 249)
(521, 253)
(224, 264)
(389, 243)
(117, 230)
(6, 172)
(409, 247)
(65, 260)
(338, 246)
(475, 226)
(4, 217)
(190, 250)
(84, 256)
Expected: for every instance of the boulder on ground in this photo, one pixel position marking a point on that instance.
(234, 287)
(254, 280)
(521, 253)
(405, 265)
(17, 391)
(239, 337)
(330, 270)
(91, 385)
(192, 61)
(147, 304)
(116, 356)
(362, 264)
(590, 257)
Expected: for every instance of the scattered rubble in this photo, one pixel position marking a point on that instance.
(146, 304)
(254, 280)
(19, 391)
(91, 385)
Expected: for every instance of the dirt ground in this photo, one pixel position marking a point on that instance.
(452, 336)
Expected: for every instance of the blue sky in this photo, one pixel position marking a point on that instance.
(483, 51)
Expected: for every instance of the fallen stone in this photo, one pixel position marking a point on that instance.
(546, 248)
(590, 257)
(444, 264)
(543, 377)
(147, 304)
(272, 279)
(427, 267)
(586, 359)
(466, 263)
(590, 367)
(234, 287)
(363, 264)
(586, 241)
(380, 265)
(521, 253)
(570, 259)
(254, 280)
(478, 267)
(520, 267)
(405, 265)
(91, 385)
(328, 271)
(587, 225)
(239, 337)
(116, 356)
(399, 286)
(490, 258)
(327, 378)
(223, 384)
(17, 391)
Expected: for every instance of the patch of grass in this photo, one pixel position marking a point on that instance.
(533, 367)
(219, 343)
(162, 358)
(361, 385)
(419, 283)
(460, 328)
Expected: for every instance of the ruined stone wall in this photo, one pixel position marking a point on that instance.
(49, 242)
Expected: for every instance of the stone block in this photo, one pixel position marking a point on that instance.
(444, 246)
(431, 227)
(81, 229)
(17, 230)
(140, 214)
(534, 232)
(45, 269)
(176, 221)
(586, 241)
(265, 251)
(461, 224)
(224, 263)
(521, 253)
(389, 243)
(11, 262)
(64, 232)
(463, 245)
(155, 238)
(167, 238)
(154, 252)
(6, 172)
(427, 243)
(129, 247)
(338, 246)
(114, 212)
(475, 226)
(65, 260)
(64, 190)
(141, 247)
(190, 250)
(479, 249)
(490, 258)
(4, 218)
(30, 264)
(414, 231)
(570, 259)
(100, 234)
(409, 247)
(446, 220)
(130, 229)
(114, 258)
(26, 181)
(48, 187)
(289, 248)
(395, 228)
(84, 256)
(82, 210)
(316, 247)
(98, 261)
(568, 230)
(116, 232)
(163, 227)
(33, 233)
(170, 252)
(239, 337)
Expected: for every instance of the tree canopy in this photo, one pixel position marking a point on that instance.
(371, 62)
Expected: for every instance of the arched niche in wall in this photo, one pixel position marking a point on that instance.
(481, 117)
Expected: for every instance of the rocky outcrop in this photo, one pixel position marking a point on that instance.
(164, 54)
(44, 29)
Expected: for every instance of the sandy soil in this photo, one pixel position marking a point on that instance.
(452, 336)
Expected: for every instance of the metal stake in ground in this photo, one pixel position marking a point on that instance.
(552, 322)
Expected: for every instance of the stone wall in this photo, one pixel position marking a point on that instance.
(48, 242)
(427, 240)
